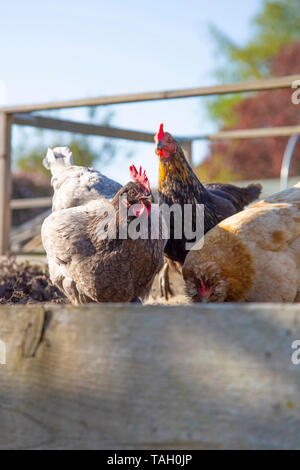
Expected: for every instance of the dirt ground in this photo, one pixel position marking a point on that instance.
(22, 282)
(26, 281)
(177, 286)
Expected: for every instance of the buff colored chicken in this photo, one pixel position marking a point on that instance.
(253, 256)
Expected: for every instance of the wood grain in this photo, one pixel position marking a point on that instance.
(132, 377)
(44, 122)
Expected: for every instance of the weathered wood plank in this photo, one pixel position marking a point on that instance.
(255, 85)
(81, 127)
(112, 376)
(127, 134)
(259, 133)
(282, 131)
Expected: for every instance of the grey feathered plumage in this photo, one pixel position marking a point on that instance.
(85, 267)
(76, 185)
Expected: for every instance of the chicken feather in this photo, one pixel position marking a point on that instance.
(76, 185)
(252, 256)
(83, 264)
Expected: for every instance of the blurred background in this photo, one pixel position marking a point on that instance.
(65, 49)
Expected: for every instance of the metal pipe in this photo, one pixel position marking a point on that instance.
(286, 161)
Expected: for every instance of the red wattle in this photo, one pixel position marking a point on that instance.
(138, 209)
(202, 289)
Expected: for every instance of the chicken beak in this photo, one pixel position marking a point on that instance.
(147, 199)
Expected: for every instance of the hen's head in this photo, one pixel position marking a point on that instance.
(137, 193)
(205, 285)
(165, 145)
(221, 269)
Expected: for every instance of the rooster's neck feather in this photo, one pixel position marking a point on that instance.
(177, 179)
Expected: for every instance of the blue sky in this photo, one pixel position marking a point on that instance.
(73, 49)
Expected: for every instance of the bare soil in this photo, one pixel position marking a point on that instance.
(178, 289)
(26, 283)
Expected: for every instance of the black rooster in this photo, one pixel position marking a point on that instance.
(178, 184)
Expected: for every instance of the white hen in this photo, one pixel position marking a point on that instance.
(75, 185)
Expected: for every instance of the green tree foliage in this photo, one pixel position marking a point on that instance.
(213, 169)
(31, 178)
(29, 158)
(273, 50)
(259, 158)
(276, 25)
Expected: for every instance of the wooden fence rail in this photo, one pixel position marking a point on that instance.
(30, 203)
(242, 87)
(43, 122)
(282, 131)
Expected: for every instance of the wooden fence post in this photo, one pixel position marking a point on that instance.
(5, 181)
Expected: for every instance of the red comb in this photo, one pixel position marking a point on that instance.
(160, 132)
(139, 177)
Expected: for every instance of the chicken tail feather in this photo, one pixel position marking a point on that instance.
(239, 197)
(252, 192)
(244, 196)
